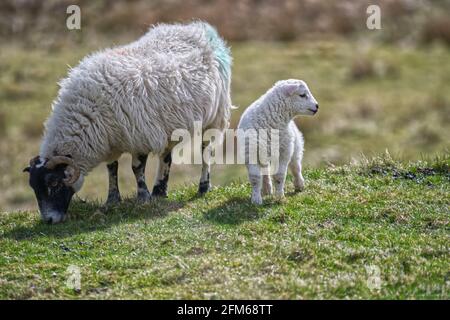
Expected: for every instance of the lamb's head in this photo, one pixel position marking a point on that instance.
(297, 96)
(54, 182)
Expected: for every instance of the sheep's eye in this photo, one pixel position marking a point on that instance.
(303, 95)
(54, 183)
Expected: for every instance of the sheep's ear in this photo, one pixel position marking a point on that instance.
(289, 89)
(27, 169)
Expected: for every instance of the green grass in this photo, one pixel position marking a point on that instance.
(321, 243)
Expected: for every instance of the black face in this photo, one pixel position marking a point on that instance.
(52, 195)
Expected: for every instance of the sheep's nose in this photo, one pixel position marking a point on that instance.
(317, 106)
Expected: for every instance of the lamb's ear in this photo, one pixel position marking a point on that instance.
(289, 89)
(27, 169)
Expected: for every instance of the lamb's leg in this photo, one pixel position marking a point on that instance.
(160, 187)
(113, 191)
(279, 179)
(254, 175)
(296, 168)
(266, 185)
(138, 166)
(205, 184)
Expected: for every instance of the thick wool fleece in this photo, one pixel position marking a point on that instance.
(131, 98)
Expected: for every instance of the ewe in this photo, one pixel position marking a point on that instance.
(276, 109)
(130, 99)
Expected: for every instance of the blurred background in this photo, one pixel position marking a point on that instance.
(378, 89)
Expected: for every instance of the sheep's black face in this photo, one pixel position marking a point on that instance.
(52, 194)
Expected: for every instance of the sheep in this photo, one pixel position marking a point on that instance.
(129, 99)
(276, 110)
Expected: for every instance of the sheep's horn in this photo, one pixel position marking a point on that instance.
(54, 161)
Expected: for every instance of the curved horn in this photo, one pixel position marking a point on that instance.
(54, 161)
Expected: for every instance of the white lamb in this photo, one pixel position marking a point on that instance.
(130, 99)
(276, 109)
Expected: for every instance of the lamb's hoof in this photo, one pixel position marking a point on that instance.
(204, 187)
(257, 200)
(299, 186)
(279, 195)
(144, 197)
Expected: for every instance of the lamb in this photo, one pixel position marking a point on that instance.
(276, 109)
(129, 99)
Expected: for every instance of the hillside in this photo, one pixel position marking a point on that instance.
(378, 229)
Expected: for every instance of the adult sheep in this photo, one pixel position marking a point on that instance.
(130, 99)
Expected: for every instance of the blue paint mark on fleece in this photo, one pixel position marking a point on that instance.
(221, 51)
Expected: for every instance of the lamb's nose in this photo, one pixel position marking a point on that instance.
(317, 106)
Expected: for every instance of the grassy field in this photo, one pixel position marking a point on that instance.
(325, 242)
(383, 215)
(372, 96)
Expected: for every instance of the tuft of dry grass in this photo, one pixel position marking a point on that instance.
(437, 29)
(361, 68)
(366, 66)
(2, 122)
(33, 129)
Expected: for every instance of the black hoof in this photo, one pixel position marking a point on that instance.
(144, 197)
(204, 187)
(159, 195)
(112, 200)
(159, 191)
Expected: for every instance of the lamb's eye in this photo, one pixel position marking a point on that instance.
(303, 95)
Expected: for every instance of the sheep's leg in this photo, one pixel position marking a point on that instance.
(160, 187)
(279, 179)
(113, 191)
(205, 184)
(266, 185)
(138, 165)
(296, 168)
(254, 175)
